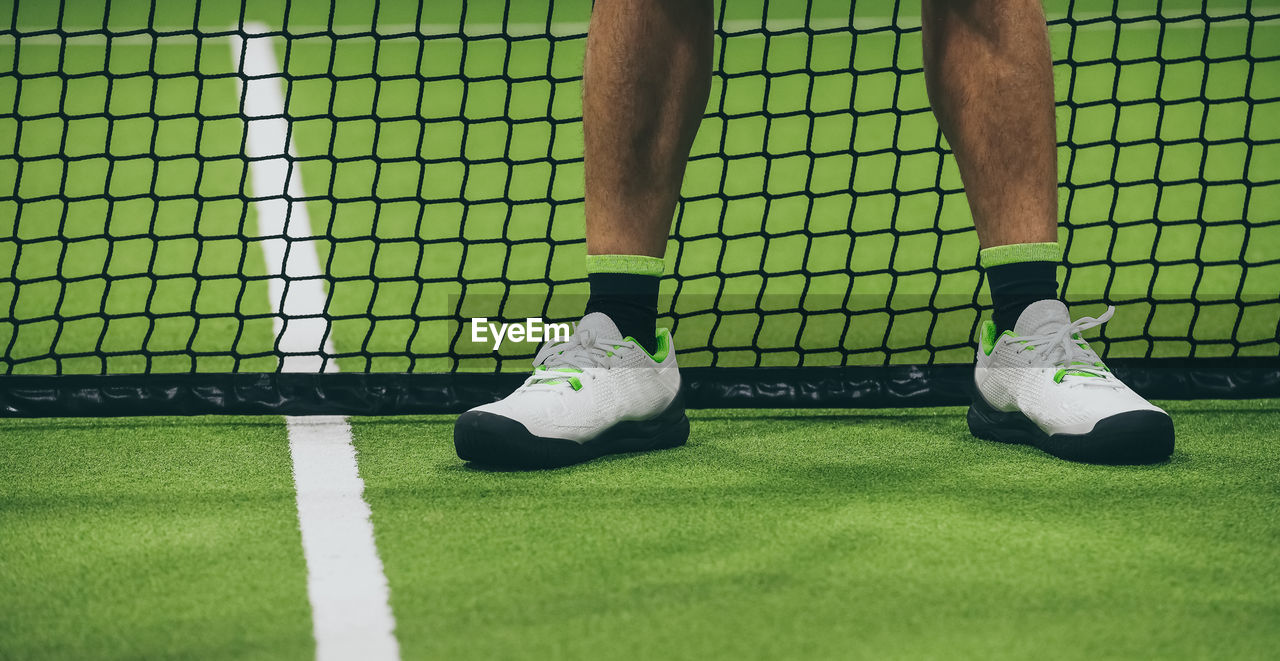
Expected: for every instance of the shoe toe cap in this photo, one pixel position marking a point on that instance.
(485, 437)
(1139, 436)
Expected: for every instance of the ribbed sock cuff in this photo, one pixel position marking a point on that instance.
(628, 264)
(1016, 253)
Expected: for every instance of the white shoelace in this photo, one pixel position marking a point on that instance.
(559, 364)
(1071, 355)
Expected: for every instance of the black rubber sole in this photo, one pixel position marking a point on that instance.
(494, 441)
(1135, 437)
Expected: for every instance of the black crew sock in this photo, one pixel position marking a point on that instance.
(630, 301)
(1017, 285)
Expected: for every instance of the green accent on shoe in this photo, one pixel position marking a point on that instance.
(987, 337)
(660, 349)
(1015, 253)
(628, 264)
(544, 368)
(572, 380)
(1062, 373)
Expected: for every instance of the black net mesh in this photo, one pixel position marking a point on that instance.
(259, 186)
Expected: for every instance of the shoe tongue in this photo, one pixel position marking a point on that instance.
(600, 325)
(1042, 317)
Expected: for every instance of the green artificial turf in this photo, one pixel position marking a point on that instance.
(772, 535)
(835, 534)
(150, 539)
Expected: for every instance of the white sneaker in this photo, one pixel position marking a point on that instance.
(1042, 385)
(593, 394)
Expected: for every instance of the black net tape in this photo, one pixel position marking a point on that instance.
(197, 188)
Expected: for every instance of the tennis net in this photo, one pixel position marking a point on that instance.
(301, 207)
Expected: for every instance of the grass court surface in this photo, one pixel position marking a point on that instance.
(773, 535)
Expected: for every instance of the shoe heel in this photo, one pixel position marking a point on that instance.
(991, 425)
(675, 435)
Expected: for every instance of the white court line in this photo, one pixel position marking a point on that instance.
(350, 613)
(297, 288)
(350, 608)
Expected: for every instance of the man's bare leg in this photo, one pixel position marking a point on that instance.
(646, 80)
(989, 74)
